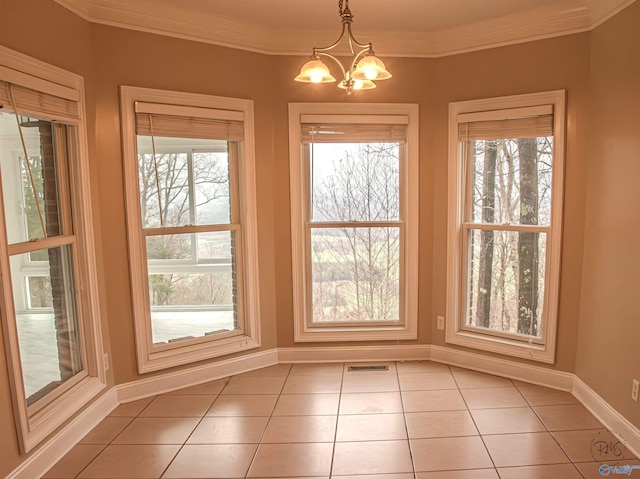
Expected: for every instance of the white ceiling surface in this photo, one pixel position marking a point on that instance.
(420, 28)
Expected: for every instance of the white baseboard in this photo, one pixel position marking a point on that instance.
(607, 415)
(164, 383)
(332, 354)
(628, 434)
(503, 367)
(56, 447)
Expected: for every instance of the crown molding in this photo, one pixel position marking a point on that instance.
(79, 7)
(508, 30)
(553, 20)
(603, 10)
(217, 30)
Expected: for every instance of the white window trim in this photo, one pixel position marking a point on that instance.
(152, 358)
(543, 351)
(35, 424)
(298, 185)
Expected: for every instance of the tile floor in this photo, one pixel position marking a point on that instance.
(419, 420)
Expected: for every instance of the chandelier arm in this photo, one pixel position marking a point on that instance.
(319, 52)
(334, 44)
(352, 38)
(351, 49)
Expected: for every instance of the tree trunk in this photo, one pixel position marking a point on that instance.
(528, 242)
(485, 267)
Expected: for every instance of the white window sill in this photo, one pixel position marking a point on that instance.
(162, 359)
(355, 333)
(508, 347)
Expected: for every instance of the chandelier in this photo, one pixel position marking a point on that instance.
(364, 68)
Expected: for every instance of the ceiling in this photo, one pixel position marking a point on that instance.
(418, 28)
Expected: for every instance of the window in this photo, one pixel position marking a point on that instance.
(354, 188)
(505, 214)
(49, 304)
(191, 222)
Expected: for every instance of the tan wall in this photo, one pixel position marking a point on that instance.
(609, 336)
(560, 63)
(109, 57)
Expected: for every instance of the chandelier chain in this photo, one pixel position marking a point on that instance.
(340, 3)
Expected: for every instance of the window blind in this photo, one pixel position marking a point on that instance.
(39, 104)
(531, 127)
(159, 125)
(353, 133)
(524, 122)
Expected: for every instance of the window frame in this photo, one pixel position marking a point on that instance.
(37, 421)
(407, 328)
(152, 357)
(456, 331)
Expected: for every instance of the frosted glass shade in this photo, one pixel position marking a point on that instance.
(359, 85)
(314, 71)
(370, 68)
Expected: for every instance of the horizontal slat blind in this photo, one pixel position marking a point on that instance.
(353, 133)
(531, 127)
(188, 127)
(32, 102)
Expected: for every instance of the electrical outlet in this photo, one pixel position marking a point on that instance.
(440, 322)
(634, 390)
(105, 359)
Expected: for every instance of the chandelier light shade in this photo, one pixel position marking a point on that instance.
(370, 68)
(359, 85)
(314, 71)
(363, 69)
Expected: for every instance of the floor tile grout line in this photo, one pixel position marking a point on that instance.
(547, 430)
(553, 437)
(335, 434)
(495, 468)
(131, 419)
(104, 446)
(406, 426)
(184, 443)
(522, 395)
(264, 432)
(537, 465)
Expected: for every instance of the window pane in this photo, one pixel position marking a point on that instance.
(511, 181)
(355, 182)
(193, 294)
(355, 274)
(49, 339)
(193, 179)
(30, 213)
(39, 291)
(171, 247)
(505, 290)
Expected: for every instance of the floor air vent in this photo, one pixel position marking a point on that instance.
(377, 367)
